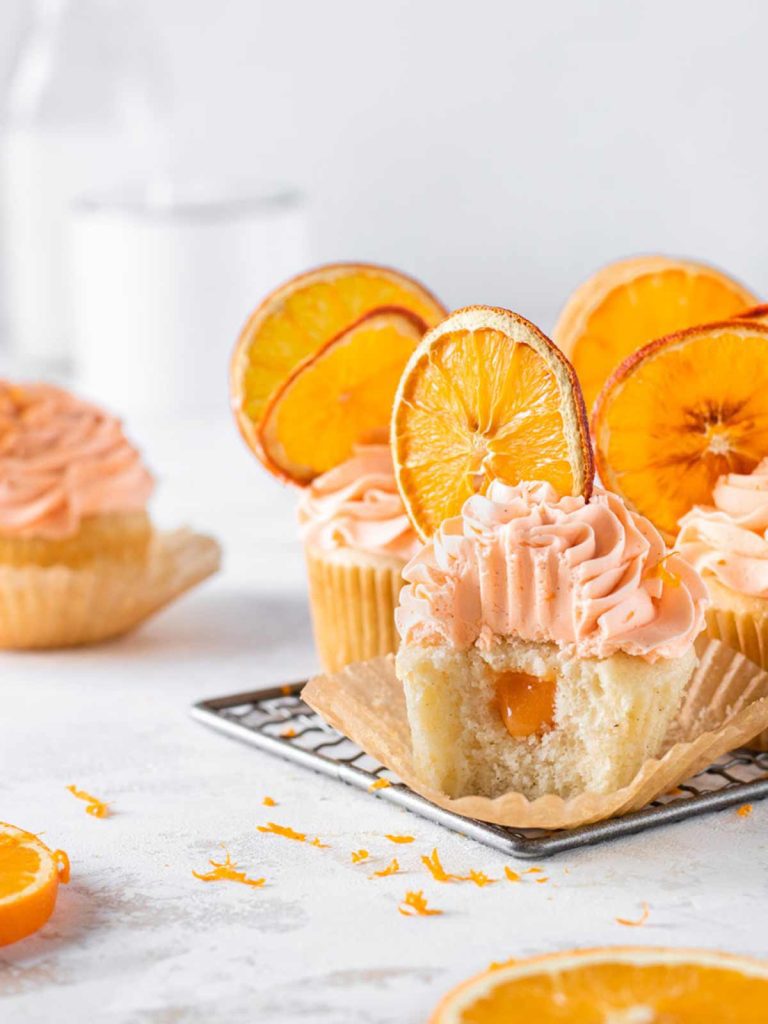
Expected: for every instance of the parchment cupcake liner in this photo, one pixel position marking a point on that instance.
(724, 706)
(353, 610)
(748, 634)
(55, 606)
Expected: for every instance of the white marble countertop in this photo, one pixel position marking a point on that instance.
(136, 938)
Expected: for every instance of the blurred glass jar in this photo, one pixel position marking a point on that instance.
(86, 109)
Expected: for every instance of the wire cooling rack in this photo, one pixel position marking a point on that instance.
(278, 720)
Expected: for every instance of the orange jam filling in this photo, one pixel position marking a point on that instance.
(526, 703)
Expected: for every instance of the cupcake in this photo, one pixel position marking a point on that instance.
(79, 558)
(357, 539)
(546, 643)
(728, 544)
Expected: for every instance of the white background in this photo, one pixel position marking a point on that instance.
(500, 151)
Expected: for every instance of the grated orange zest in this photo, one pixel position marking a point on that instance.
(399, 839)
(512, 876)
(391, 869)
(414, 904)
(95, 807)
(640, 920)
(273, 828)
(269, 802)
(534, 871)
(479, 878)
(321, 846)
(436, 869)
(358, 855)
(541, 880)
(227, 870)
(379, 784)
(744, 811)
(288, 734)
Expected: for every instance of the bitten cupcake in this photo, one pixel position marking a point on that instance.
(357, 539)
(727, 543)
(79, 558)
(546, 643)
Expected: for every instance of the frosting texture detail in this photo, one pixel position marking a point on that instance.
(730, 540)
(62, 459)
(589, 576)
(357, 505)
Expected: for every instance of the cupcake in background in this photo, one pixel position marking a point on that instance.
(79, 558)
(727, 543)
(357, 539)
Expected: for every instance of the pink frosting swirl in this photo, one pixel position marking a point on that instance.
(730, 540)
(62, 459)
(586, 575)
(357, 505)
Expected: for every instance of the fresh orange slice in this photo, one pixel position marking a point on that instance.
(623, 985)
(630, 303)
(758, 313)
(486, 396)
(340, 396)
(304, 314)
(679, 413)
(29, 880)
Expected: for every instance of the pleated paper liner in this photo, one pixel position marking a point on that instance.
(724, 706)
(43, 607)
(748, 634)
(353, 610)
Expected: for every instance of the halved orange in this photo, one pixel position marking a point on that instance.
(29, 880)
(340, 396)
(623, 985)
(631, 302)
(486, 396)
(679, 413)
(758, 313)
(301, 316)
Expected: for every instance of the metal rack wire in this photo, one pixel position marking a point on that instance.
(277, 720)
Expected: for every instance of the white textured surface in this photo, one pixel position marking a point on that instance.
(135, 938)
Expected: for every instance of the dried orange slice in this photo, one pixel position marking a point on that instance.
(679, 413)
(622, 985)
(29, 880)
(340, 396)
(758, 313)
(631, 302)
(304, 314)
(486, 396)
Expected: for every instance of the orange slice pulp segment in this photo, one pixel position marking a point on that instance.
(679, 413)
(29, 879)
(623, 985)
(486, 396)
(632, 302)
(301, 316)
(340, 396)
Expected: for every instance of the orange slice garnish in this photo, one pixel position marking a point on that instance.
(623, 984)
(301, 316)
(631, 302)
(754, 313)
(339, 397)
(29, 880)
(679, 413)
(486, 396)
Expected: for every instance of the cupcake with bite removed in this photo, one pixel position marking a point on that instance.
(546, 644)
(79, 558)
(357, 539)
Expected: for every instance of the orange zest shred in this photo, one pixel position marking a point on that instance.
(744, 811)
(283, 830)
(479, 878)
(640, 920)
(512, 876)
(399, 839)
(534, 871)
(288, 734)
(391, 869)
(541, 880)
(286, 689)
(414, 905)
(379, 784)
(436, 869)
(321, 846)
(358, 855)
(269, 802)
(227, 870)
(96, 808)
